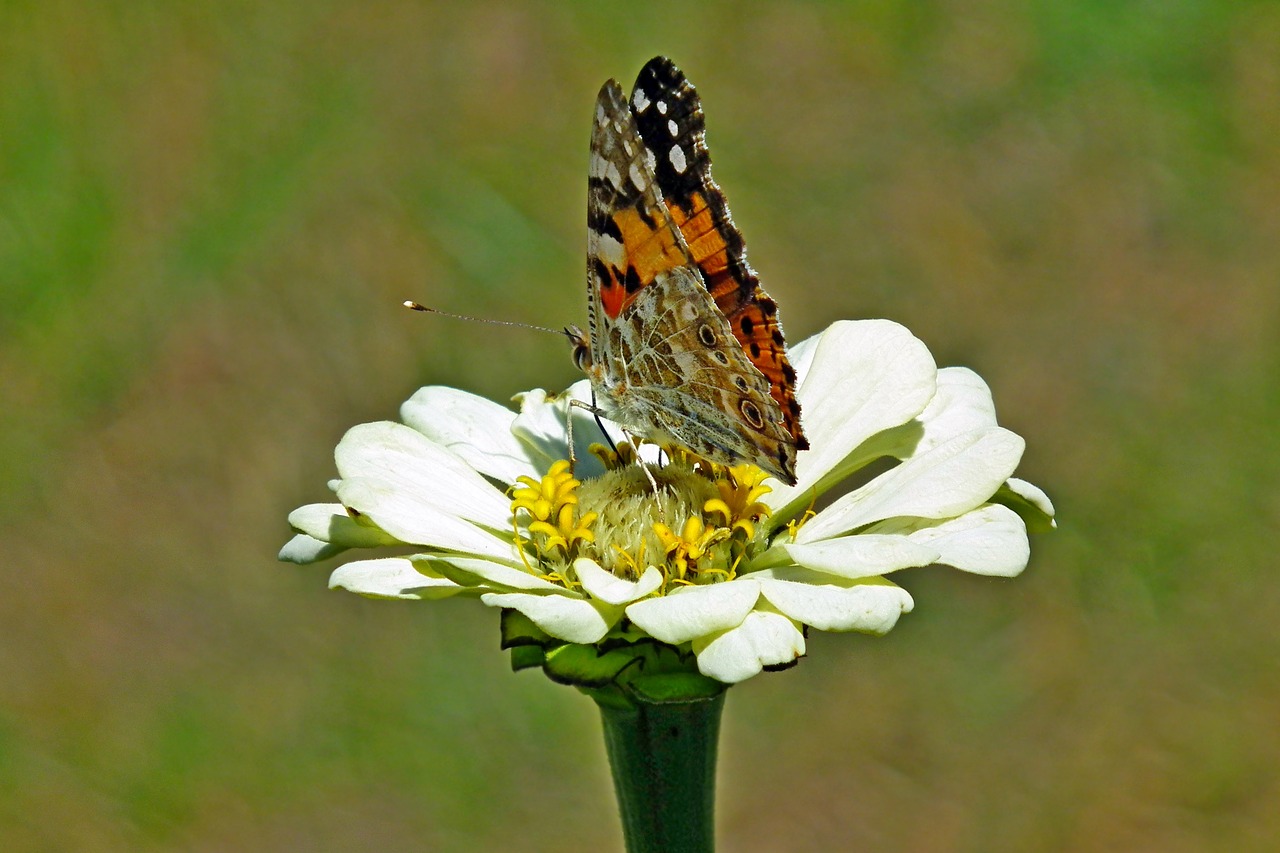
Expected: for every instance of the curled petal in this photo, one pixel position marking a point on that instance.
(391, 577)
(1030, 502)
(400, 460)
(303, 549)
(695, 611)
(952, 478)
(963, 404)
(872, 607)
(990, 540)
(1032, 494)
(567, 618)
(861, 556)
(612, 589)
(862, 378)
(471, 427)
(331, 523)
(763, 639)
(409, 517)
(542, 426)
(473, 572)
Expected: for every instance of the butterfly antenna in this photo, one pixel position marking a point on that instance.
(408, 303)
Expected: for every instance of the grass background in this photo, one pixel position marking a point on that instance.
(209, 216)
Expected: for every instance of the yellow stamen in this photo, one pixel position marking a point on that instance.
(550, 505)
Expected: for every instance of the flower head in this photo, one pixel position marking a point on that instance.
(608, 569)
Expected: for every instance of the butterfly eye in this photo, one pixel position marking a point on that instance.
(581, 347)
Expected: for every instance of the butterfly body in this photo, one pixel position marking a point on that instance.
(683, 347)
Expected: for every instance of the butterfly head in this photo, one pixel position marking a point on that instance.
(581, 348)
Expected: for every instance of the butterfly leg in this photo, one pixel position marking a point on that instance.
(652, 482)
(596, 412)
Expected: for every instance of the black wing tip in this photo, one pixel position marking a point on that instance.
(663, 71)
(659, 63)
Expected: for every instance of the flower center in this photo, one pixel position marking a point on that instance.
(692, 519)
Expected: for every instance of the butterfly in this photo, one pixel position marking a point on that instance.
(684, 346)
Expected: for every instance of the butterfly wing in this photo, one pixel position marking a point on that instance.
(664, 360)
(688, 378)
(669, 116)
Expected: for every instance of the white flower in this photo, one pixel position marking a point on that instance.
(718, 565)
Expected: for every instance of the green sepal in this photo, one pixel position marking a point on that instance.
(674, 687)
(585, 666)
(622, 635)
(627, 666)
(519, 630)
(527, 657)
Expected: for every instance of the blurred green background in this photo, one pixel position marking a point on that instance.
(209, 216)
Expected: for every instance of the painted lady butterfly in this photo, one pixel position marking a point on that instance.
(685, 347)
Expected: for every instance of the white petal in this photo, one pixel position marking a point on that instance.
(862, 555)
(540, 426)
(952, 478)
(872, 608)
(571, 619)
(864, 377)
(469, 571)
(963, 404)
(990, 540)
(304, 549)
(763, 639)
(390, 577)
(1033, 495)
(695, 611)
(401, 459)
(612, 589)
(331, 523)
(543, 426)
(410, 518)
(477, 430)
(801, 355)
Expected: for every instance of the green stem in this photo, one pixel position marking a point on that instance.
(663, 758)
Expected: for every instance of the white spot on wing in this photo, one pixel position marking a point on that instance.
(639, 100)
(673, 128)
(610, 250)
(600, 114)
(637, 177)
(662, 107)
(677, 159)
(615, 177)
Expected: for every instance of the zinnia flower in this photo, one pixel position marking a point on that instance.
(601, 577)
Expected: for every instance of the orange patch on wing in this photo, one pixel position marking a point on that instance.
(721, 286)
(710, 250)
(613, 296)
(706, 243)
(648, 250)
